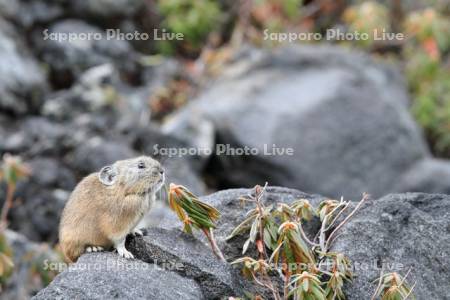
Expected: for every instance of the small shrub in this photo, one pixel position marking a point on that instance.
(6, 263)
(194, 214)
(366, 18)
(12, 169)
(392, 286)
(429, 78)
(318, 273)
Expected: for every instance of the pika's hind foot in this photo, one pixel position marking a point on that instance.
(94, 249)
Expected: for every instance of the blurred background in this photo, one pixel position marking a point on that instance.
(368, 114)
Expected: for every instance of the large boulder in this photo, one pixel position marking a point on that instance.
(427, 175)
(400, 232)
(181, 258)
(108, 276)
(344, 117)
(190, 258)
(22, 82)
(98, 152)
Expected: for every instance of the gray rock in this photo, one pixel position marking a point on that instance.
(427, 175)
(40, 199)
(107, 9)
(100, 96)
(344, 116)
(190, 258)
(98, 152)
(41, 208)
(27, 14)
(180, 170)
(89, 47)
(23, 83)
(198, 134)
(49, 172)
(27, 256)
(37, 136)
(95, 91)
(108, 276)
(101, 93)
(173, 251)
(401, 231)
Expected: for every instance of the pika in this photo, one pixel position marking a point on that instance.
(106, 206)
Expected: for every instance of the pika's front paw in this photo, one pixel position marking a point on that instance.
(94, 249)
(124, 252)
(137, 232)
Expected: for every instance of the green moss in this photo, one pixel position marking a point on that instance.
(194, 19)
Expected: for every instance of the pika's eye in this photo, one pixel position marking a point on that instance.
(141, 165)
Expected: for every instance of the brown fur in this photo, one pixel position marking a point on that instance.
(96, 214)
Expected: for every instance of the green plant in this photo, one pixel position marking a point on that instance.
(194, 19)
(367, 18)
(12, 169)
(339, 272)
(308, 269)
(392, 286)
(424, 52)
(6, 263)
(169, 98)
(307, 286)
(194, 214)
(428, 77)
(38, 263)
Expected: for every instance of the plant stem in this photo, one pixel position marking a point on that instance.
(6, 206)
(304, 235)
(380, 280)
(286, 284)
(216, 250)
(365, 197)
(268, 284)
(271, 286)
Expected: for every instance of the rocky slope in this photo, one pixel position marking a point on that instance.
(344, 116)
(400, 231)
(69, 108)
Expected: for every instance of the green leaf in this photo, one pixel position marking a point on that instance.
(318, 292)
(245, 225)
(305, 284)
(254, 229)
(245, 247)
(275, 253)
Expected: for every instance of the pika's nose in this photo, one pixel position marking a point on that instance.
(161, 170)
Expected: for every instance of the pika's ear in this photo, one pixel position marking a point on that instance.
(108, 175)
